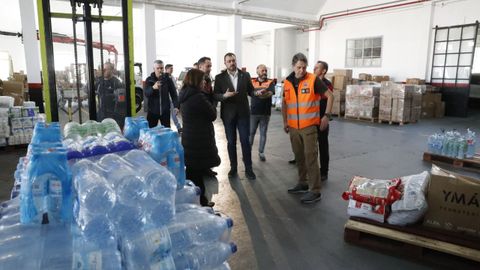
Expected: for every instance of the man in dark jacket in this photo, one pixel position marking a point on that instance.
(231, 88)
(158, 87)
(111, 96)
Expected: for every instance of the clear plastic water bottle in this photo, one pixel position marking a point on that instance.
(132, 128)
(161, 182)
(72, 130)
(43, 133)
(127, 183)
(179, 208)
(205, 256)
(109, 125)
(188, 194)
(89, 256)
(128, 220)
(159, 212)
(117, 143)
(193, 228)
(471, 144)
(462, 145)
(146, 248)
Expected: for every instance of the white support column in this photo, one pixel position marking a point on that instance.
(235, 38)
(313, 48)
(271, 64)
(30, 41)
(150, 39)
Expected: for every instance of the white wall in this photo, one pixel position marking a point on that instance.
(256, 50)
(406, 35)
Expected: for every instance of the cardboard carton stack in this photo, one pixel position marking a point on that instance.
(399, 103)
(341, 78)
(362, 101)
(452, 202)
(432, 105)
(381, 78)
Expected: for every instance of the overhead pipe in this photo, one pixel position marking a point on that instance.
(361, 10)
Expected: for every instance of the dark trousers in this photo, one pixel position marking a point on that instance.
(323, 150)
(243, 126)
(153, 118)
(197, 178)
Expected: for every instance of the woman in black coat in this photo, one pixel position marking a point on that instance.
(198, 136)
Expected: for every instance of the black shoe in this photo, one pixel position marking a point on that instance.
(262, 156)
(298, 188)
(293, 161)
(324, 177)
(311, 197)
(210, 173)
(232, 173)
(204, 202)
(250, 174)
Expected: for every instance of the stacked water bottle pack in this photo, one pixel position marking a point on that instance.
(453, 144)
(129, 212)
(93, 138)
(132, 127)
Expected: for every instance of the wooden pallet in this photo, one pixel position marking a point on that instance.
(400, 123)
(459, 163)
(415, 243)
(364, 119)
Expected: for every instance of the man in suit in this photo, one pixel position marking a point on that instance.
(231, 89)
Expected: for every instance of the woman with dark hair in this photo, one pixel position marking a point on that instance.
(198, 136)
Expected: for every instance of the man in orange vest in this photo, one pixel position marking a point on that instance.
(261, 107)
(301, 118)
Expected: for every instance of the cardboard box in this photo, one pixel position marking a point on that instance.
(432, 97)
(380, 78)
(339, 95)
(365, 77)
(341, 82)
(343, 72)
(14, 89)
(439, 109)
(415, 81)
(428, 109)
(453, 202)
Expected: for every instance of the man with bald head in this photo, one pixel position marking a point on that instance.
(260, 107)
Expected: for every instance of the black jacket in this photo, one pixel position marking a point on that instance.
(198, 135)
(167, 90)
(236, 106)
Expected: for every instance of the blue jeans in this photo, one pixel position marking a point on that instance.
(255, 120)
(243, 126)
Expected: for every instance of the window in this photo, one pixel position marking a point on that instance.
(364, 52)
(453, 54)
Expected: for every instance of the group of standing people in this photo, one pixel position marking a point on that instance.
(307, 104)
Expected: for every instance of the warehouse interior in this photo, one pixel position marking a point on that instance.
(428, 48)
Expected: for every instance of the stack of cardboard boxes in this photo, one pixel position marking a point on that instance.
(362, 101)
(16, 87)
(399, 103)
(341, 78)
(432, 105)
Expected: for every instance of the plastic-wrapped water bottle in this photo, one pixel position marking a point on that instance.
(47, 193)
(109, 125)
(10, 207)
(161, 182)
(193, 228)
(431, 144)
(72, 130)
(129, 187)
(43, 132)
(159, 212)
(188, 194)
(128, 220)
(91, 128)
(205, 256)
(146, 248)
(179, 208)
(89, 256)
(471, 143)
(462, 145)
(117, 142)
(94, 145)
(132, 128)
(74, 149)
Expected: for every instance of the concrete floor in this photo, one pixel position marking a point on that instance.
(272, 229)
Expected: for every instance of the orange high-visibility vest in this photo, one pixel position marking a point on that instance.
(303, 108)
(261, 85)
